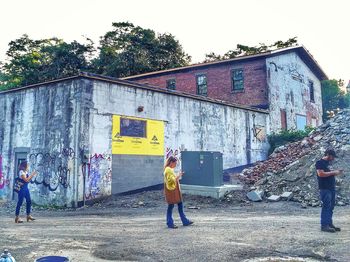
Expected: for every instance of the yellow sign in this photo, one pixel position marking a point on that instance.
(137, 136)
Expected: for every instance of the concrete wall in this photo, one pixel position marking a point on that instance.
(220, 83)
(288, 77)
(190, 125)
(64, 129)
(41, 123)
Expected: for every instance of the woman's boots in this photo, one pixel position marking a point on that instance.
(30, 218)
(18, 220)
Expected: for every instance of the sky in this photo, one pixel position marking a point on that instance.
(322, 26)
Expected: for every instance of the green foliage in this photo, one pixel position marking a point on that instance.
(32, 61)
(242, 50)
(333, 97)
(124, 51)
(129, 50)
(287, 136)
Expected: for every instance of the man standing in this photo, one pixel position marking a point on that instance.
(326, 183)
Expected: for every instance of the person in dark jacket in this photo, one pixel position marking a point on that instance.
(24, 192)
(326, 183)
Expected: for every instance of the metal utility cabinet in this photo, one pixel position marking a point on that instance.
(202, 168)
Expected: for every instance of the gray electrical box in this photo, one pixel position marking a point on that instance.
(202, 168)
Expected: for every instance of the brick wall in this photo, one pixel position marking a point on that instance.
(219, 82)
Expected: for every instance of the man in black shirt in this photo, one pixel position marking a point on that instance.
(326, 183)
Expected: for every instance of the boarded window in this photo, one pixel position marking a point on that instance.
(312, 91)
(283, 119)
(132, 127)
(202, 86)
(301, 122)
(314, 122)
(237, 79)
(171, 84)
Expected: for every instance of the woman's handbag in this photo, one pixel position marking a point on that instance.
(173, 196)
(18, 185)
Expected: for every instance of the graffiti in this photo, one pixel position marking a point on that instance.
(98, 175)
(3, 181)
(54, 169)
(175, 152)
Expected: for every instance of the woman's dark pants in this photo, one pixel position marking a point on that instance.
(24, 194)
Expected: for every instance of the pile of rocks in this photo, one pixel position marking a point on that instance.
(290, 169)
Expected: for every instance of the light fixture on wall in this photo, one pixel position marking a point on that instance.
(140, 109)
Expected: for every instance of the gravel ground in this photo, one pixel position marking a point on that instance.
(132, 228)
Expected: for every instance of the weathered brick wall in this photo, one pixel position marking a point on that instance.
(219, 82)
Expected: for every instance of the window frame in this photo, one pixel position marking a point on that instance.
(311, 93)
(233, 80)
(206, 83)
(170, 80)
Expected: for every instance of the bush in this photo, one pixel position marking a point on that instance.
(287, 136)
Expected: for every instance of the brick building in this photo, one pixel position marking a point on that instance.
(286, 81)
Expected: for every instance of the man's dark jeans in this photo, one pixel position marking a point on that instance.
(328, 203)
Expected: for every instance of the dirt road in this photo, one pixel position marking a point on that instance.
(220, 233)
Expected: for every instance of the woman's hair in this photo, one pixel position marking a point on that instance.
(170, 160)
(23, 166)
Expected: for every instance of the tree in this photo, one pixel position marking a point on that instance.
(32, 61)
(333, 97)
(242, 50)
(129, 50)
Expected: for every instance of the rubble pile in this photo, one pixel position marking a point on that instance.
(290, 170)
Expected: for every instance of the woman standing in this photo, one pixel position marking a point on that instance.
(24, 192)
(173, 193)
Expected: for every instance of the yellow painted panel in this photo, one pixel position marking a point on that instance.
(138, 137)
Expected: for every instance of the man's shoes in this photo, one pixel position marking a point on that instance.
(328, 229)
(335, 228)
(172, 226)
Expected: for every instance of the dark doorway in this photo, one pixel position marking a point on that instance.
(20, 156)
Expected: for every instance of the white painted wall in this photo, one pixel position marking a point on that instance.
(290, 94)
(190, 124)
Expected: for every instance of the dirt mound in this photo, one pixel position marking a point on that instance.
(291, 168)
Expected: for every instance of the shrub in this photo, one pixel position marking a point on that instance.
(287, 136)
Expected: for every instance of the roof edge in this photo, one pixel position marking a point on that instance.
(92, 76)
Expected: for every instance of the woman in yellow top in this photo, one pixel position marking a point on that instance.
(173, 193)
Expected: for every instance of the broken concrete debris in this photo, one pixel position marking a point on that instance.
(290, 173)
(274, 198)
(255, 196)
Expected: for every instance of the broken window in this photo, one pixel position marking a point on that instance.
(312, 91)
(133, 127)
(237, 79)
(202, 86)
(171, 84)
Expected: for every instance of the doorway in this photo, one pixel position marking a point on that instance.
(21, 155)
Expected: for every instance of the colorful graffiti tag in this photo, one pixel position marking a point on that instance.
(175, 152)
(54, 169)
(4, 182)
(98, 174)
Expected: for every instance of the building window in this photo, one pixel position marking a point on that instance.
(301, 122)
(171, 84)
(283, 119)
(237, 80)
(133, 128)
(312, 91)
(202, 86)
